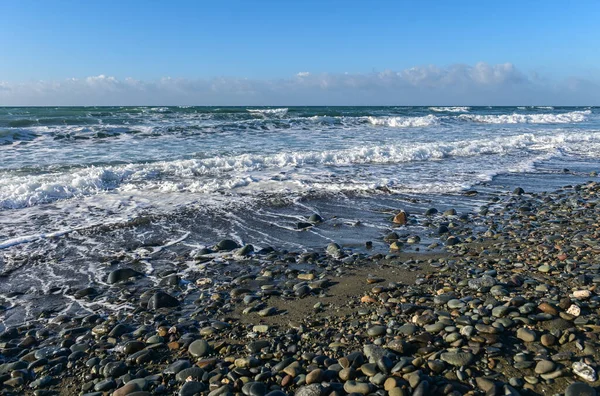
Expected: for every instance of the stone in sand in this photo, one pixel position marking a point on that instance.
(122, 274)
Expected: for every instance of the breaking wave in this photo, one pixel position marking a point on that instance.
(452, 109)
(226, 173)
(564, 118)
(404, 122)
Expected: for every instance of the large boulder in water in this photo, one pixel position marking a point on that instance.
(122, 274)
(227, 245)
(161, 299)
(315, 219)
(334, 250)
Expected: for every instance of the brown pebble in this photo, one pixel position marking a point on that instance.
(548, 308)
(287, 380)
(548, 340)
(401, 218)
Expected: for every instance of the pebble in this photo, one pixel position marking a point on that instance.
(526, 335)
(544, 366)
(585, 371)
(457, 358)
(357, 387)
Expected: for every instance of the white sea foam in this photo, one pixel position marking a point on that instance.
(275, 112)
(453, 109)
(563, 118)
(159, 109)
(260, 172)
(404, 122)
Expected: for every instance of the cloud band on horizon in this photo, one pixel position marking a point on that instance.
(479, 84)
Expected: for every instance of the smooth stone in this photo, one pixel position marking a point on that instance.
(177, 366)
(455, 304)
(191, 388)
(485, 384)
(310, 390)
(270, 311)
(580, 389)
(126, 389)
(376, 331)
(199, 348)
(544, 366)
(314, 376)
(122, 274)
(457, 358)
(105, 385)
(227, 245)
(526, 335)
(362, 388)
(195, 373)
(408, 329)
(41, 382)
(114, 369)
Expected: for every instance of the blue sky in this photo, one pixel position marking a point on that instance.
(551, 44)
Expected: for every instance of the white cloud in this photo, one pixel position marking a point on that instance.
(479, 84)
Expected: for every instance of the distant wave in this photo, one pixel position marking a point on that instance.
(404, 122)
(277, 112)
(564, 118)
(453, 109)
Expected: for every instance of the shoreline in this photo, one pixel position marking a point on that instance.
(511, 308)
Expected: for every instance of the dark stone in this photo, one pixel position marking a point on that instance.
(451, 241)
(177, 366)
(195, 372)
(162, 300)
(199, 348)
(443, 230)
(105, 385)
(227, 245)
(315, 219)
(191, 388)
(122, 274)
(245, 251)
(114, 369)
(133, 347)
(580, 389)
(86, 292)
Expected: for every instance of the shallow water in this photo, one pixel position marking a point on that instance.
(81, 188)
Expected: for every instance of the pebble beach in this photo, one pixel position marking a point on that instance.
(503, 302)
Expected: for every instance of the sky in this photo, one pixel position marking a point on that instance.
(299, 52)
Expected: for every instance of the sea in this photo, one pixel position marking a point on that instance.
(84, 190)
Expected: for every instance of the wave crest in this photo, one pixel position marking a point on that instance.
(280, 112)
(451, 109)
(226, 174)
(404, 122)
(564, 118)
